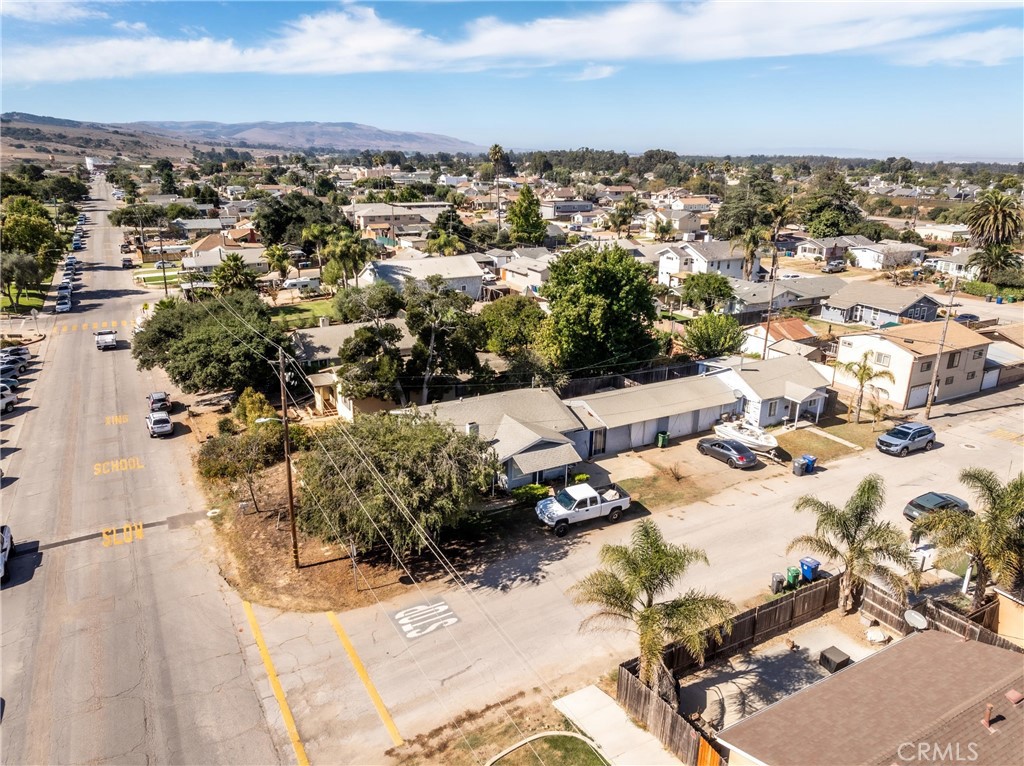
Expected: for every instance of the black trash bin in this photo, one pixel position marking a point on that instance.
(799, 466)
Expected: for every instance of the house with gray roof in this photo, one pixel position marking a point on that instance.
(530, 430)
(872, 304)
(887, 254)
(775, 390)
(955, 264)
(195, 227)
(317, 347)
(829, 248)
(459, 272)
(631, 418)
(715, 257)
(751, 299)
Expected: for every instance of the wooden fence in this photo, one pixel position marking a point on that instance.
(754, 626)
(658, 374)
(878, 604)
(680, 737)
(763, 622)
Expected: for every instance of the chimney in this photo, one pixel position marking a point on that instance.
(473, 429)
(987, 720)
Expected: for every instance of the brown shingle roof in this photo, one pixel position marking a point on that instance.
(929, 688)
(922, 338)
(876, 296)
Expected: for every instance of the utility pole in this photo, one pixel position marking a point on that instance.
(938, 354)
(287, 456)
(771, 299)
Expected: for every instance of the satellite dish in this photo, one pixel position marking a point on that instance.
(916, 620)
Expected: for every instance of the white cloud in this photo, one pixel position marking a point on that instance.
(131, 26)
(49, 11)
(594, 72)
(353, 38)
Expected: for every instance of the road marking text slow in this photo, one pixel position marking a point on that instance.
(122, 535)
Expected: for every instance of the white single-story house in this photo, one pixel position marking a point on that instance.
(630, 418)
(887, 254)
(776, 390)
(459, 272)
(206, 261)
(829, 248)
(955, 264)
(944, 232)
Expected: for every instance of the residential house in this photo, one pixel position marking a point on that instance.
(928, 698)
(613, 194)
(559, 210)
(776, 390)
(363, 215)
(908, 352)
(1011, 614)
(715, 257)
(876, 305)
(887, 254)
(1005, 354)
(751, 301)
(830, 248)
(452, 180)
(944, 232)
(589, 218)
(243, 208)
(692, 204)
(459, 272)
(791, 329)
(631, 418)
(206, 260)
(530, 430)
(187, 228)
(956, 263)
(684, 223)
(525, 275)
(317, 347)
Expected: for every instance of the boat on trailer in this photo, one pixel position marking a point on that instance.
(754, 437)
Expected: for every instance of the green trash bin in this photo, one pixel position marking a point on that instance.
(792, 576)
(663, 439)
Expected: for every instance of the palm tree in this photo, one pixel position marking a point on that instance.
(995, 218)
(231, 274)
(993, 538)
(854, 537)
(318, 234)
(781, 213)
(751, 242)
(864, 375)
(993, 258)
(278, 259)
(446, 244)
(349, 252)
(626, 589)
(630, 207)
(617, 220)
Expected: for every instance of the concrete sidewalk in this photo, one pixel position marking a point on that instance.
(620, 741)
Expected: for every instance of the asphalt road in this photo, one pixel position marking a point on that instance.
(119, 644)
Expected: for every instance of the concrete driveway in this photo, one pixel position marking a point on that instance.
(448, 647)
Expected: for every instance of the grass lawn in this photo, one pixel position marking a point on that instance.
(302, 314)
(156, 279)
(30, 299)
(565, 751)
(661, 490)
(862, 434)
(804, 442)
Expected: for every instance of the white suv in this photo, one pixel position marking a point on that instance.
(7, 400)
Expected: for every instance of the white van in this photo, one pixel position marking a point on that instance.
(302, 283)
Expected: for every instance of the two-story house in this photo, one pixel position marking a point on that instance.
(874, 305)
(684, 223)
(910, 353)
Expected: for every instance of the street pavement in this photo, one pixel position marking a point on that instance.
(513, 627)
(118, 639)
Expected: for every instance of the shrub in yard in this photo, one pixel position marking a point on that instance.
(580, 478)
(530, 494)
(227, 426)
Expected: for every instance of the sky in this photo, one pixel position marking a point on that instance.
(925, 80)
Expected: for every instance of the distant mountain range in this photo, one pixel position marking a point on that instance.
(285, 135)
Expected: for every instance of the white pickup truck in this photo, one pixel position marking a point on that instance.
(581, 502)
(106, 339)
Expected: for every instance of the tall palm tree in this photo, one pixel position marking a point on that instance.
(617, 220)
(993, 538)
(318, 234)
(864, 374)
(752, 242)
(995, 218)
(630, 206)
(993, 258)
(446, 244)
(781, 213)
(348, 250)
(278, 259)
(626, 590)
(232, 275)
(854, 537)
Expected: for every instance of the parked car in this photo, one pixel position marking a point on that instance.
(12, 383)
(729, 451)
(62, 306)
(21, 351)
(159, 424)
(163, 265)
(10, 370)
(833, 267)
(581, 502)
(930, 502)
(791, 276)
(159, 400)
(18, 363)
(6, 552)
(8, 401)
(127, 263)
(906, 438)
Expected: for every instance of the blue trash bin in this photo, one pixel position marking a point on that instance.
(809, 568)
(999, 299)
(809, 461)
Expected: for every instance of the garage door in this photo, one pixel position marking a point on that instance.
(918, 397)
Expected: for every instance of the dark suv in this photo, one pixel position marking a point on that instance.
(906, 438)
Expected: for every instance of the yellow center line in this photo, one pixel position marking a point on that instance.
(286, 712)
(357, 663)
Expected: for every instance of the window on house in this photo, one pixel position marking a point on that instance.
(972, 375)
(875, 314)
(856, 313)
(978, 354)
(925, 366)
(949, 381)
(773, 408)
(954, 360)
(882, 359)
